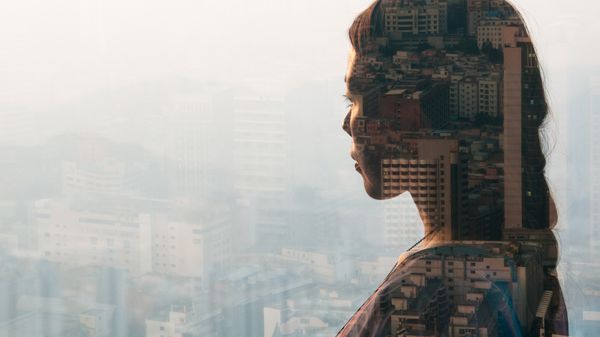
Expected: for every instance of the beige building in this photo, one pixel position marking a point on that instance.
(327, 269)
(259, 166)
(488, 100)
(83, 237)
(430, 19)
(189, 249)
(497, 32)
(468, 98)
(427, 175)
(513, 135)
(137, 242)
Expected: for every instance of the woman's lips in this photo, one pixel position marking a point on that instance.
(357, 167)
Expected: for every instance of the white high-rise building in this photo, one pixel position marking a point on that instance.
(259, 161)
(403, 224)
(188, 139)
(433, 176)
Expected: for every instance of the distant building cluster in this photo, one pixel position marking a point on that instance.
(83, 235)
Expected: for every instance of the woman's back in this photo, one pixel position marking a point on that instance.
(465, 289)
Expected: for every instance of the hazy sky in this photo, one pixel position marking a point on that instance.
(54, 51)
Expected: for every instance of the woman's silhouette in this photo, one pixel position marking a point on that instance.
(446, 103)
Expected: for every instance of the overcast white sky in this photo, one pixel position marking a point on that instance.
(54, 51)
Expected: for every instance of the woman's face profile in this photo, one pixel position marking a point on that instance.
(367, 160)
(380, 118)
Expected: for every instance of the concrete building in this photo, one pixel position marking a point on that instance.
(190, 249)
(325, 267)
(188, 146)
(497, 32)
(430, 18)
(453, 96)
(468, 98)
(84, 236)
(139, 243)
(417, 106)
(475, 13)
(524, 107)
(432, 175)
(488, 96)
(260, 159)
(402, 223)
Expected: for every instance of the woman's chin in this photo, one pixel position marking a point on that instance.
(374, 191)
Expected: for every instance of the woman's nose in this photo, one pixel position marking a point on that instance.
(346, 124)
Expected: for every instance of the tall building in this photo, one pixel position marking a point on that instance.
(453, 96)
(432, 173)
(475, 13)
(402, 223)
(260, 160)
(468, 98)
(457, 17)
(488, 96)
(525, 190)
(188, 145)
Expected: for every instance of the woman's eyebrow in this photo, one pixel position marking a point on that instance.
(349, 79)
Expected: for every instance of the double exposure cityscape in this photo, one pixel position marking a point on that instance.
(451, 112)
(202, 209)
